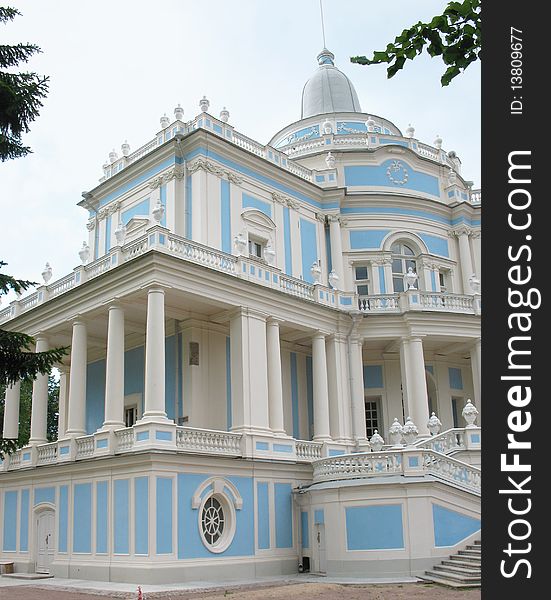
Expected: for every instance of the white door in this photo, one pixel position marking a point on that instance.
(45, 541)
(320, 564)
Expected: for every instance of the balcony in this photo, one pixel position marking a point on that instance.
(416, 300)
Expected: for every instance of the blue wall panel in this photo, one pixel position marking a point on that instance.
(108, 234)
(10, 521)
(304, 532)
(377, 527)
(141, 515)
(171, 379)
(134, 364)
(95, 395)
(82, 518)
(45, 494)
(283, 515)
(225, 216)
(121, 518)
(310, 396)
(252, 202)
(24, 521)
(263, 515)
(373, 376)
(455, 377)
(188, 208)
(63, 518)
(309, 247)
(228, 384)
(102, 516)
(294, 395)
(141, 209)
(164, 515)
(450, 527)
(367, 238)
(436, 244)
(287, 241)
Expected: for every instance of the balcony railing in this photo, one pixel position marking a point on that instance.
(419, 300)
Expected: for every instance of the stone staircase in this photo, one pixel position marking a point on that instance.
(460, 570)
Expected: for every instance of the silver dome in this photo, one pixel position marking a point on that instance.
(328, 90)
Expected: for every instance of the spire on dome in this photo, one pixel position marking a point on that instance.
(326, 57)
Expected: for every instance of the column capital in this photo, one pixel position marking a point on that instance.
(460, 230)
(274, 321)
(319, 335)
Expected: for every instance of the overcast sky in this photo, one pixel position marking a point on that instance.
(116, 66)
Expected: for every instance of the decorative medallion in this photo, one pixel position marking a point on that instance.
(397, 173)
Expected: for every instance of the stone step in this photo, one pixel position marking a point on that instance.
(29, 576)
(469, 571)
(457, 562)
(457, 577)
(471, 552)
(447, 582)
(475, 546)
(475, 560)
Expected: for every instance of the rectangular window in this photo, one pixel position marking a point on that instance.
(442, 281)
(373, 419)
(361, 277)
(130, 415)
(255, 249)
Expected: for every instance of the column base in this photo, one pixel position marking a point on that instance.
(111, 426)
(154, 417)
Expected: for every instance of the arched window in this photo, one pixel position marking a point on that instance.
(403, 257)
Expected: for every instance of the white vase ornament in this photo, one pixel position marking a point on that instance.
(395, 433)
(377, 442)
(410, 432)
(47, 273)
(470, 413)
(84, 253)
(434, 424)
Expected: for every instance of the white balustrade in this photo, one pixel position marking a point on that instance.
(62, 285)
(379, 303)
(428, 151)
(85, 446)
(452, 470)
(308, 451)
(29, 302)
(296, 287)
(207, 441)
(14, 460)
(360, 465)
(98, 267)
(47, 454)
(452, 440)
(202, 255)
(476, 197)
(446, 302)
(125, 439)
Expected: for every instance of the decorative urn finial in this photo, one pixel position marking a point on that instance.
(315, 271)
(434, 424)
(113, 156)
(395, 433)
(158, 212)
(84, 253)
(125, 148)
(179, 113)
(376, 442)
(120, 233)
(438, 142)
(330, 161)
(204, 104)
(410, 278)
(333, 279)
(165, 121)
(224, 115)
(410, 432)
(47, 273)
(470, 413)
(410, 131)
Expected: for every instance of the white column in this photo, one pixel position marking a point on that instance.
(114, 370)
(465, 259)
(417, 385)
(476, 243)
(39, 410)
(77, 381)
(154, 392)
(11, 411)
(339, 388)
(199, 206)
(476, 359)
(249, 372)
(63, 397)
(336, 248)
(320, 389)
(357, 391)
(387, 265)
(275, 385)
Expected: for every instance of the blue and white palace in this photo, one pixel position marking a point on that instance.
(274, 358)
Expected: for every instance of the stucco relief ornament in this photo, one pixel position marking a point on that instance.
(410, 431)
(376, 442)
(269, 253)
(204, 104)
(474, 282)
(395, 433)
(84, 253)
(397, 173)
(333, 279)
(410, 279)
(224, 115)
(470, 413)
(434, 424)
(240, 244)
(120, 233)
(330, 161)
(452, 177)
(179, 113)
(327, 127)
(158, 212)
(315, 271)
(47, 273)
(370, 124)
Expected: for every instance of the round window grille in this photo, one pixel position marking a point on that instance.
(212, 521)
